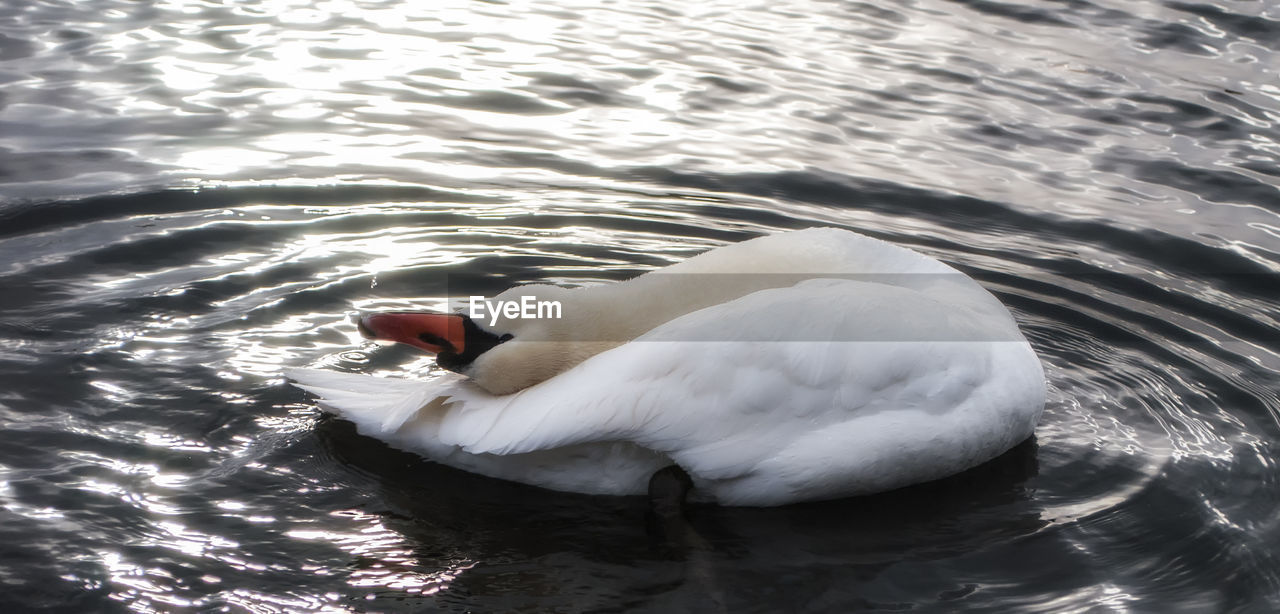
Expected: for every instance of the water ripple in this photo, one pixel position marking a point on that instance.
(193, 195)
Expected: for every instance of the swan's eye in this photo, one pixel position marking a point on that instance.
(505, 338)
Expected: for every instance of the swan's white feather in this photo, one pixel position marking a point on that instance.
(825, 388)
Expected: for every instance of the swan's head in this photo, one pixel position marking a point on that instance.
(499, 353)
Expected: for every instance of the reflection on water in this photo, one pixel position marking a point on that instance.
(1107, 169)
(383, 558)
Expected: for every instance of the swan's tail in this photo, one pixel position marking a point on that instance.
(378, 405)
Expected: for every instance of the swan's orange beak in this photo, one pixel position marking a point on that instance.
(433, 332)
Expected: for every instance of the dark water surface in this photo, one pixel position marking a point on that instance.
(194, 195)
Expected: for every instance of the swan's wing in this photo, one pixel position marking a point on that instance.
(721, 387)
(378, 405)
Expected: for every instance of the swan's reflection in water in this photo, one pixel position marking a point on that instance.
(517, 544)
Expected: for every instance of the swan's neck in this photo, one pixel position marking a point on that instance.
(619, 313)
(597, 318)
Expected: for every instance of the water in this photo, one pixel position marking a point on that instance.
(194, 195)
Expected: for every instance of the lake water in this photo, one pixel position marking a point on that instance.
(194, 195)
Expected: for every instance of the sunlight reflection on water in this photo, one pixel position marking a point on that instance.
(1106, 168)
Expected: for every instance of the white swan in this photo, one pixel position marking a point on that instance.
(806, 365)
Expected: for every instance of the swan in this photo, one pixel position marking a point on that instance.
(805, 365)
